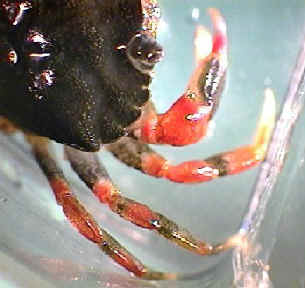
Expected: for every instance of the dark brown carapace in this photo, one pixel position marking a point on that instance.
(78, 72)
(64, 58)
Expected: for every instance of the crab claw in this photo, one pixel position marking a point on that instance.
(187, 120)
(226, 163)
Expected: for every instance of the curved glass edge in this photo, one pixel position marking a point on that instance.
(249, 269)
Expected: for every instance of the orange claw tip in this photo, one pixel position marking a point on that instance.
(220, 38)
(265, 124)
(218, 21)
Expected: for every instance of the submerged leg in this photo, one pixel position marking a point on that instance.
(81, 219)
(140, 156)
(87, 166)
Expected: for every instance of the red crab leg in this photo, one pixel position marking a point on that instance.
(90, 170)
(186, 121)
(81, 219)
(141, 156)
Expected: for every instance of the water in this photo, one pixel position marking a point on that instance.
(38, 243)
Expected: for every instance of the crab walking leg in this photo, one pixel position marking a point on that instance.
(89, 169)
(186, 121)
(141, 156)
(79, 217)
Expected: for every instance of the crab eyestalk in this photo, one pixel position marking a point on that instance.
(144, 52)
(187, 120)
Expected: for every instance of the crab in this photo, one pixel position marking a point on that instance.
(78, 73)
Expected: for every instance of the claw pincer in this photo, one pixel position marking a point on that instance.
(187, 120)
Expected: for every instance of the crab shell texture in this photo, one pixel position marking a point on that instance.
(65, 78)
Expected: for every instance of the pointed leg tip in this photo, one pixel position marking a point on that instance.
(269, 108)
(237, 240)
(155, 275)
(266, 122)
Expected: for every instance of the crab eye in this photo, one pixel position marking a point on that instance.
(144, 52)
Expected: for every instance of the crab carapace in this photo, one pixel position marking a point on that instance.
(78, 72)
